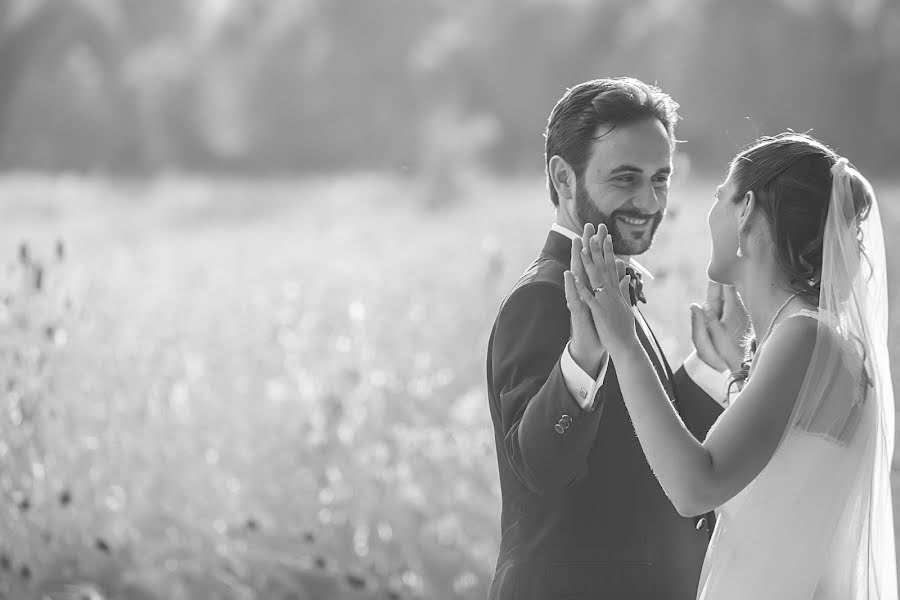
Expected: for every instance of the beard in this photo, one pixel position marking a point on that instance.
(624, 243)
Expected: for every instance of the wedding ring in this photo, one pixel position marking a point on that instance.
(597, 290)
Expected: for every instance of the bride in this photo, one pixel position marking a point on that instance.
(798, 465)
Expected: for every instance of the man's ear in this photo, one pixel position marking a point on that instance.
(746, 213)
(562, 177)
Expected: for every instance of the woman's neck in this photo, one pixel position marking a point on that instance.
(766, 298)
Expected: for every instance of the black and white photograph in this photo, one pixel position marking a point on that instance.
(449, 299)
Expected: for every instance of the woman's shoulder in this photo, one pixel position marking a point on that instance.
(812, 325)
(808, 331)
(788, 349)
(795, 336)
(800, 328)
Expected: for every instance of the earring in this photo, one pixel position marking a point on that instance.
(740, 251)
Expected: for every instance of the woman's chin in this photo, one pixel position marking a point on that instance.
(715, 274)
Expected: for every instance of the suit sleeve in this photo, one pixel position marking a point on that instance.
(546, 434)
(698, 412)
(698, 409)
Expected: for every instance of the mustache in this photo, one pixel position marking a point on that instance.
(634, 214)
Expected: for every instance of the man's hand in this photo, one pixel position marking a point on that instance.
(718, 328)
(585, 347)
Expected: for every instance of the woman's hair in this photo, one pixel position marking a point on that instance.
(790, 176)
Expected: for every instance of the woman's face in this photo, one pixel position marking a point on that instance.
(723, 229)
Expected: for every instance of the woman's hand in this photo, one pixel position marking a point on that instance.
(718, 328)
(586, 349)
(608, 295)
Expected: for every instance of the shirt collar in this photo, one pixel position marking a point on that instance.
(629, 259)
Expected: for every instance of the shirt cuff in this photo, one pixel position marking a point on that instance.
(714, 383)
(582, 386)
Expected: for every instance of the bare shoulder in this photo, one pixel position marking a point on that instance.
(787, 354)
(796, 338)
(795, 333)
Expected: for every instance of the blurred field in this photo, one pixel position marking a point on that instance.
(274, 390)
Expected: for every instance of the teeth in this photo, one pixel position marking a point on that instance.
(634, 221)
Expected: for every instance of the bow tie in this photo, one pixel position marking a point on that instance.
(635, 286)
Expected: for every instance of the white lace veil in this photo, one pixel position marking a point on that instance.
(817, 522)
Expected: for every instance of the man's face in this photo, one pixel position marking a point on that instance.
(625, 184)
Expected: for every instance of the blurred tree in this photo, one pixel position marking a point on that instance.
(35, 35)
(342, 84)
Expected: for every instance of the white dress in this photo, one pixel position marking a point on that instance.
(787, 535)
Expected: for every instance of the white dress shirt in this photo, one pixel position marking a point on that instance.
(584, 388)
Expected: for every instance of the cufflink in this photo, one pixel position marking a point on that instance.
(564, 423)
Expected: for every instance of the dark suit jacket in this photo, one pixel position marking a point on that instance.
(583, 516)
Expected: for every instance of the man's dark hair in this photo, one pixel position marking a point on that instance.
(585, 107)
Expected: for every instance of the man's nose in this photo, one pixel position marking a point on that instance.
(648, 201)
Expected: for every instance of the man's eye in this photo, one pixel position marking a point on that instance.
(625, 179)
(661, 181)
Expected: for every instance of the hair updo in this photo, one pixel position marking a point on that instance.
(790, 176)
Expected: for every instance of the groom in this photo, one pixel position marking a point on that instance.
(583, 515)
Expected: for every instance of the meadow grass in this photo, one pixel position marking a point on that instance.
(274, 389)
